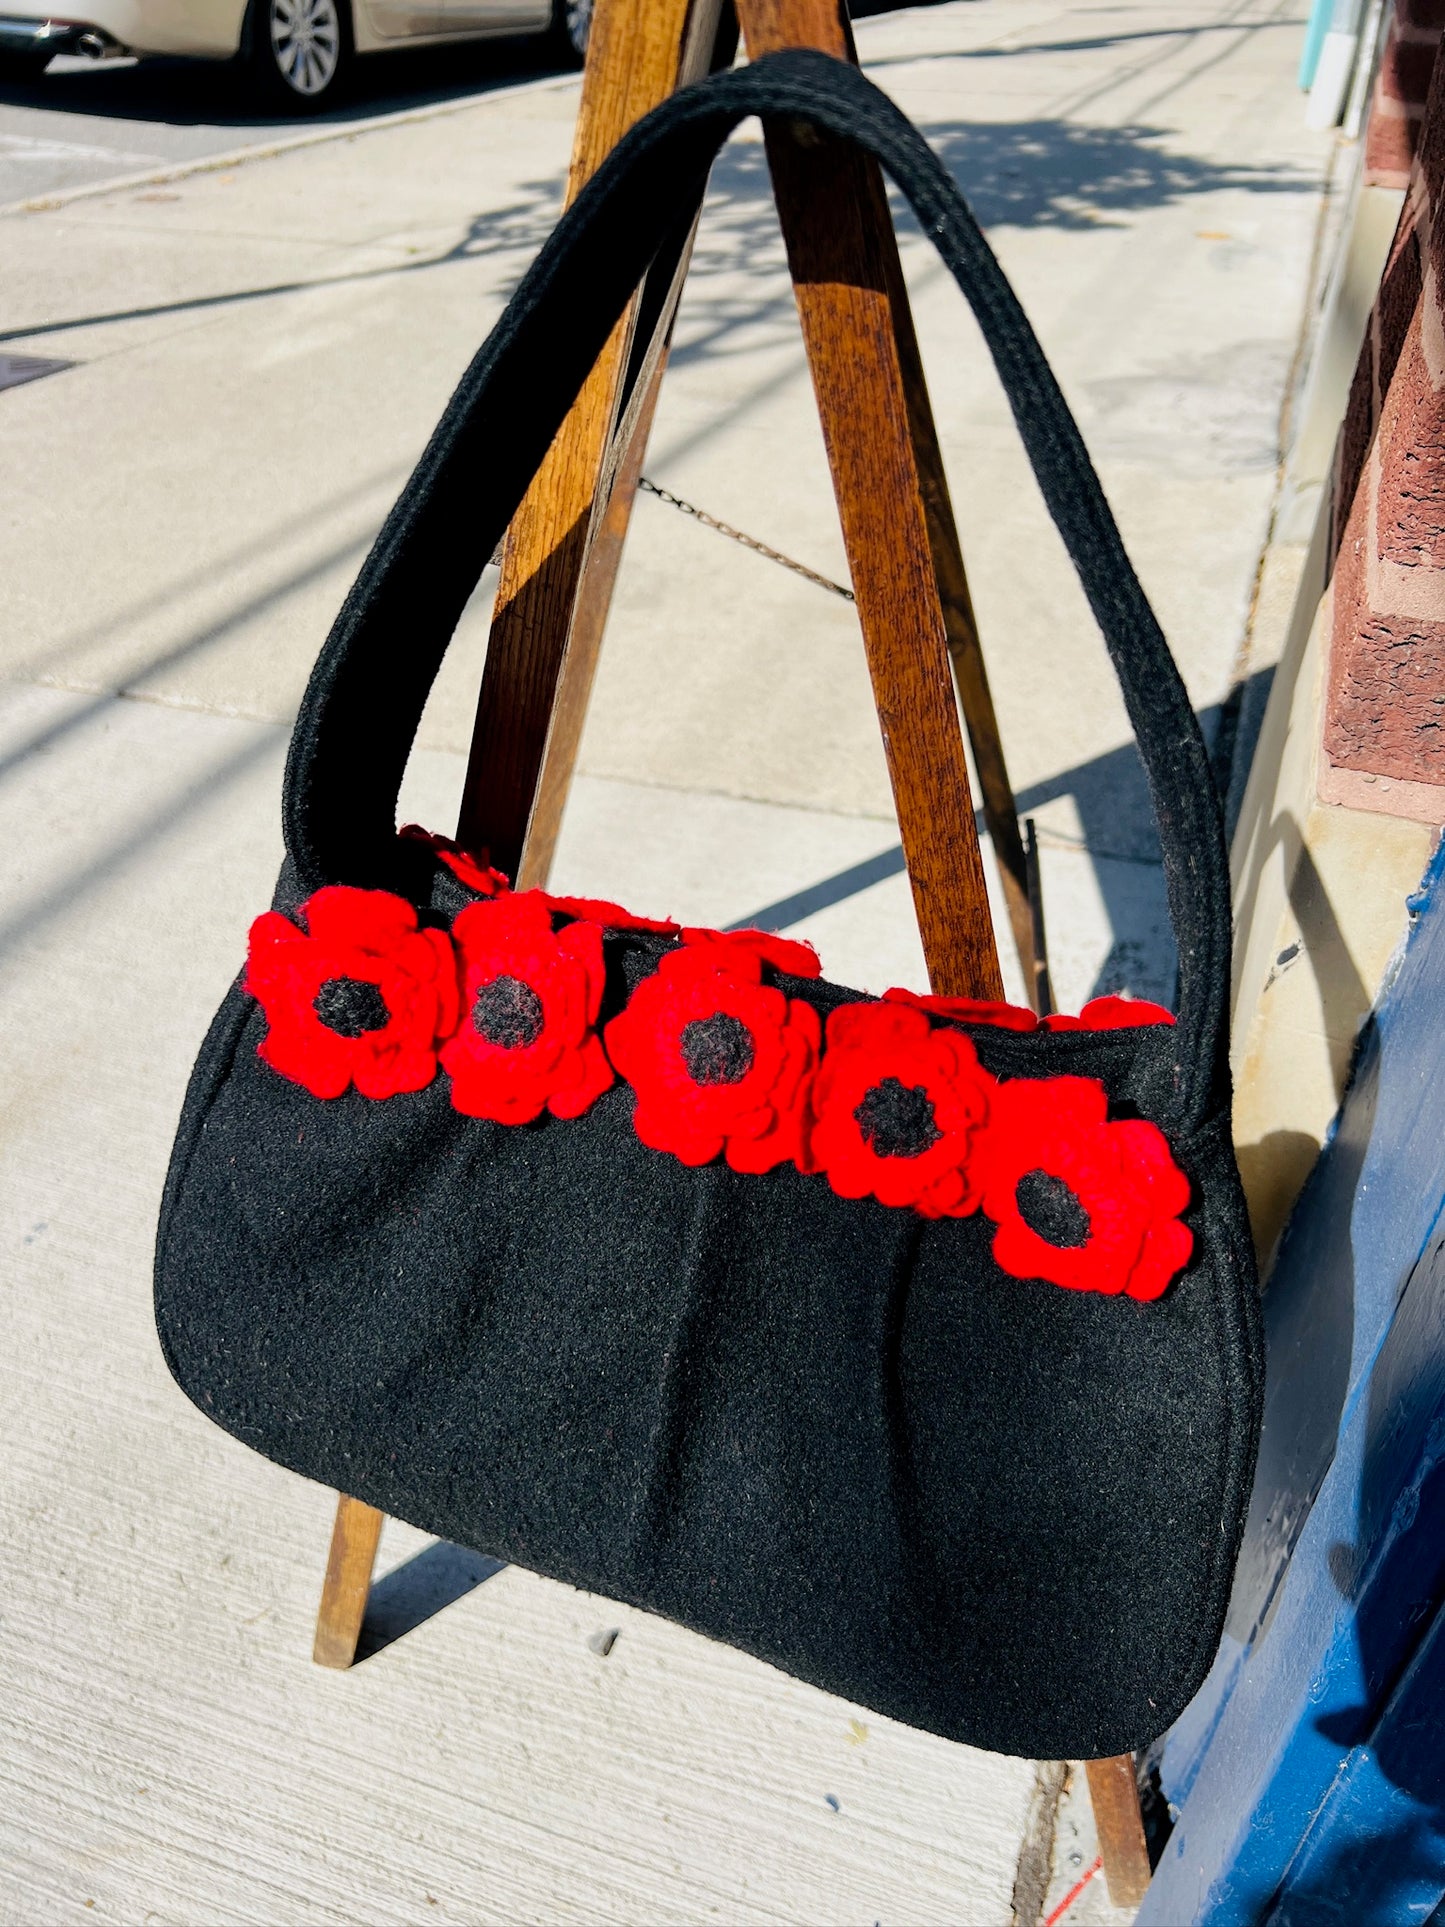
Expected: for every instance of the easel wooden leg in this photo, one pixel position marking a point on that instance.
(347, 1584)
(1036, 966)
(637, 56)
(965, 652)
(843, 260)
(1114, 1791)
(574, 685)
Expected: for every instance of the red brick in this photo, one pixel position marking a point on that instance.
(1385, 705)
(1384, 338)
(1401, 91)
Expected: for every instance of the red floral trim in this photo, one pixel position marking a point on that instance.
(1119, 1181)
(896, 1110)
(388, 988)
(719, 1060)
(783, 953)
(475, 872)
(1101, 1013)
(1112, 1013)
(723, 1063)
(530, 1001)
(610, 915)
(968, 1010)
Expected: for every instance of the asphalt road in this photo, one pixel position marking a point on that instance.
(87, 122)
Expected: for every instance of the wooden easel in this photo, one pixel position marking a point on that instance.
(563, 548)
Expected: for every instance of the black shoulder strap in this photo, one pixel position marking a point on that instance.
(366, 694)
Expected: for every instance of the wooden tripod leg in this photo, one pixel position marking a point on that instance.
(347, 1584)
(844, 262)
(1041, 988)
(965, 651)
(1114, 1792)
(589, 619)
(636, 57)
(768, 26)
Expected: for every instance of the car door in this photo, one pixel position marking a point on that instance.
(412, 19)
(493, 16)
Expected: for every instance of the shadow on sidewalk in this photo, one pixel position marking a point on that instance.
(418, 1590)
(1029, 173)
(1111, 796)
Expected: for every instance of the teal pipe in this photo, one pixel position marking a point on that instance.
(1321, 13)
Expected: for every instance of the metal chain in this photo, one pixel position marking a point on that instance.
(747, 541)
(733, 535)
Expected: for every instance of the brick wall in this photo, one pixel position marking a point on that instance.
(1384, 722)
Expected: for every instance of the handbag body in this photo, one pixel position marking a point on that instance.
(964, 1435)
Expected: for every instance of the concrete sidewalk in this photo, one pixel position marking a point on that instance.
(259, 355)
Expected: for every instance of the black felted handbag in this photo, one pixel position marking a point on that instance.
(906, 1344)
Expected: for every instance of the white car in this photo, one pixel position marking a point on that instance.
(298, 49)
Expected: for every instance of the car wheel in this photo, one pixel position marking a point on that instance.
(21, 70)
(299, 51)
(571, 26)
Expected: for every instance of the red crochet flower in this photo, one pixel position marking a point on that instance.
(968, 1010)
(1112, 1013)
(529, 1003)
(611, 916)
(475, 872)
(897, 1107)
(1077, 1200)
(361, 996)
(783, 953)
(720, 1061)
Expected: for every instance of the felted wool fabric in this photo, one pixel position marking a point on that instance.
(831, 1432)
(826, 1429)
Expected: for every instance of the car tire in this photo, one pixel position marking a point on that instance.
(22, 70)
(299, 52)
(571, 26)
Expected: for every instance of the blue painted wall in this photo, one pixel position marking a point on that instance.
(1309, 1774)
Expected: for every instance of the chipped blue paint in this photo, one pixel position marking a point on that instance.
(1306, 1785)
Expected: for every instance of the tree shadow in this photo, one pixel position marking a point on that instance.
(1071, 175)
(1037, 173)
(1032, 173)
(1049, 172)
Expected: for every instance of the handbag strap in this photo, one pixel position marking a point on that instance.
(365, 698)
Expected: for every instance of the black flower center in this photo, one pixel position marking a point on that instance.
(896, 1120)
(508, 1013)
(717, 1050)
(1049, 1208)
(350, 1006)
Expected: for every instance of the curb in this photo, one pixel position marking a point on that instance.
(274, 149)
